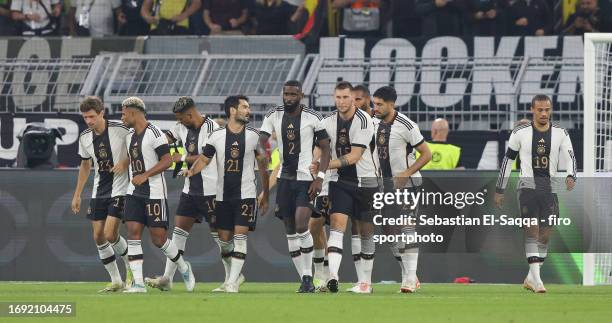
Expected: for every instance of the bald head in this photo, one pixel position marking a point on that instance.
(439, 130)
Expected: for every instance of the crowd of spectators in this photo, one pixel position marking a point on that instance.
(363, 18)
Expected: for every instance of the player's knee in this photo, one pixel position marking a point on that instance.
(158, 240)
(99, 238)
(111, 235)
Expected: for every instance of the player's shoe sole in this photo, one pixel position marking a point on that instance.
(332, 285)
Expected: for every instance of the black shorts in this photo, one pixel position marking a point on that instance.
(351, 200)
(150, 212)
(539, 205)
(400, 210)
(322, 204)
(290, 195)
(197, 207)
(236, 212)
(100, 208)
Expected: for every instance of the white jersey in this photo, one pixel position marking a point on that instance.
(235, 157)
(145, 151)
(344, 134)
(106, 150)
(203, 184)
(539, 153)
(395, 142)
(296, 136)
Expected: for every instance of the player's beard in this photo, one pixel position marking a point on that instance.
(244, 120)
(291, 108)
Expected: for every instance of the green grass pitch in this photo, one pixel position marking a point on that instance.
(276, 302)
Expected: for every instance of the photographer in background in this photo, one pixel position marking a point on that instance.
(94, 18)
(588, 18)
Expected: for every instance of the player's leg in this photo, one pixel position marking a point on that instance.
(341, 206)
(107, 256)
(529, 208)
(364, 213)
(320, 244)
(286, 202)
(356, 251)
(245, 219)
(226, 244)
(306, 243)
(135, 255)
(111, 232)
(409, 253)
(157, 221)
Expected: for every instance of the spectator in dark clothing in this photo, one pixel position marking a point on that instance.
(272, 17)
(7, 27)
(225, 16)
(406, 22)
(588, 18)
(486, 17)
(135, 25)
(443, 17)
(529, 17)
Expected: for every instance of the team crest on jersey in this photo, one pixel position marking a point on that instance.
(103, 153)
(191, 148)
(135, 152)
(343, 137)
(541, 150)
(235, 151)
(290, 132)
(381, 137)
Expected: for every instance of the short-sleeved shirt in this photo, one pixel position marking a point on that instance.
(106, 150)
(395, 142)
(235, 155)
(296, 136)
(146, 150)
(171, 8)
(34, 7)
(358, 131)
(101, 15)
(203, 184)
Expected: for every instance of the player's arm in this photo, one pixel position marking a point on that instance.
(262, 166)
(202, 160)
(568, 151)
(162, 150)
(84, 170)
(506, 169)
(360, 143)
(324, 156)
(422, 160)
(121, 166)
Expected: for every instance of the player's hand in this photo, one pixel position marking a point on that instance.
(151, 19)
(139, 179)
(499, 200)
(315, 188)
(570, 183)
(35, 17)
(119, 168)
(314, 168)
(262, 203)
(176, 158)
(400, 182)
(76, 204)
(234, 23)
(215, 29)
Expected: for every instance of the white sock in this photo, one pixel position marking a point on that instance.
(533, 258)
(238, 256)
(397, 256)
(334, 252)
(367, 258)
(542, 251)
(318, 260)
(410, 260)
(107, 255)
(306, 248)
(227, 247)
(179, 237)
(121, 249)
(136, 259)
(171, 251)
(293, 242)
(356, 251)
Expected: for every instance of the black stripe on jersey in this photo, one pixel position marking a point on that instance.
(104, 157)
(138, 165)
(574, 167)
(343, 147)
(218, 129)
(418, 144)
(155, 131)
(117, 124)
(405, 122)
(523, 126)
(540, 158)
(273, 110)
(209, 125)
(290, 139)
(383, 133)
(362, 118)
(233, 164)
(255, 130)
(196, 185)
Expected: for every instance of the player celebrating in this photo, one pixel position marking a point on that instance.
(197, 200)
(146, 200)
(299, 126)
(396, 138)
(539, 145)
(352, 182)
(236, 148)
(103, 142)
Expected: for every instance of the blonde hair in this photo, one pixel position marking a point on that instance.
(133, 101)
